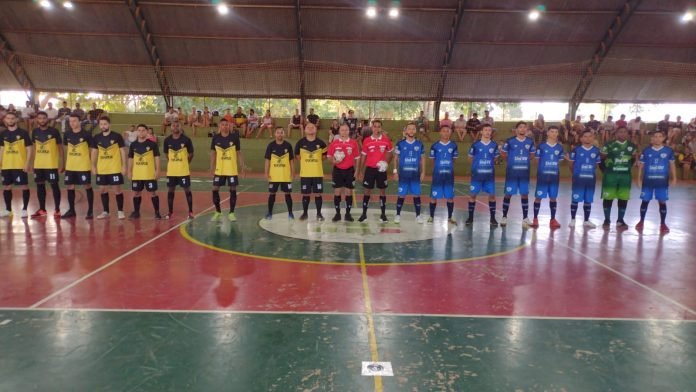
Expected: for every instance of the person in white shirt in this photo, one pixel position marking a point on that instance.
(252, 121)
(28, 115)
(52, 114)
(170, 117)
(635, 129)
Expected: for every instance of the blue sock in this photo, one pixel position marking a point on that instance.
(643, 209)
(399, 205)
(537, 207)
(573, 209)
(506, 205)
(525, 207)
(417, 205)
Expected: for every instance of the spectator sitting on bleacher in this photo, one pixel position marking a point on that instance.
(240, 122)
(295, 122)
(313, 118)
(472, 127)
(460, 127)
(52, 114)
(169, 118)
(28, 115)
(94, 115)
(267, 123)
(3, 112)
(80, 113)
(195, 120)
(253, 122)
(182, 115)
(130, 135)
(151, 132)
(208, 120)
(446, 122)
(63, 115)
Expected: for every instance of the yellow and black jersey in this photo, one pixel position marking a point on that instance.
(46, 143)
(143, 155)
(178, 152)
(280, 157)
(310, 154)
(226, 148)
(109, 148)
(77, 145)
(14, 152)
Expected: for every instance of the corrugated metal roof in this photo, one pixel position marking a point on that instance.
(253, 51)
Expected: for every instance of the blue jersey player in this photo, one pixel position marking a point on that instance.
(549, 155)
(518, 150)
(443, 153)
(656, 165)
(482, 156)
(583, 164)
(409, 171)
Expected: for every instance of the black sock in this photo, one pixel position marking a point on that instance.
(525, 207)
(105, 201)
(383, 204)
(41, 194)
(233, 200)
(573, 209)
(216, 200)
(537, 207)
(643, 209)
(7, 195)
(491, 208)
(432, 209)
(90, 200)
(587, 208)
(663, 212)
(305, 204)
(606, 204)
(271, 202)
(337, 204)
(506, 205)
(553, 205)
(119, 202)
(155, 203)
(417, 205)
(450, 209)
(71, 199)
(622, 208)
(472, 208)
(25, 198)
(189, 200)
(318, 202)
(288, 201)
(399, 205)
(349, 203)
(366, 203)
(56, 195)
(136, 203)
(170, 201)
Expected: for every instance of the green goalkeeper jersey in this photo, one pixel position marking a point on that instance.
(619, 157)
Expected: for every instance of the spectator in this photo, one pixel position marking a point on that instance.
(606, 130)
(52, 114)
(181, 114)
(663, 125)
(130, 135)
(151, 132)
(313, 118)
(422, 125)
(28, 115)
(342, 120)
(621, 122)
(64, 115)
(576, 129)
(691, 128)
(3, 112)
(228, 116)
(487, 119)
(352, 123)
(538, 128)
(94, 115)
(240, 122)
(333, 129)
(266, 123)
(195, 119)
(460, 127)
(675, 131)
(207, 118)
(593, 124)
(79, 112)
(686, 162)
(566, 126)
(295, 122)
(472, 126)
(169, 117)
(366, 129)
(253, 121)
(446, 122)
(636, 127)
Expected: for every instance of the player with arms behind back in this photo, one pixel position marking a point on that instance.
(656, 165)
(409, 171)
(482, 156)
(343, 153)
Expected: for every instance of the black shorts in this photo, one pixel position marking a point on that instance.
(182, 181)
(374, 177)
(309, 185)
(343, 178)
(225, 180)
(285, 187)
(109, 179)
(14, 177)
(78, 178)
(46, 175)
(140, 185)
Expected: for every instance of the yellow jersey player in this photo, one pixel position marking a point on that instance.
(15, 162)
(279, 171)
(178, 149)
(48, 162)
(225, 155)
(78, 164)
(109, 165)
(144, 167)
(311, 152)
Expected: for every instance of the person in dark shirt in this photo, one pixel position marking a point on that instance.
(313, 118)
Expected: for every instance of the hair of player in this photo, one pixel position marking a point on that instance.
(105, 118)
(75, 115)
(620, 128)
(377, 122)
(42, 113)
(554, 127)
(486, 125)
(222, 120)
(279, 127)
(446, 127)
(141, 125)
(586, 131)
(520, 123)
(11, 114)
(661, 132)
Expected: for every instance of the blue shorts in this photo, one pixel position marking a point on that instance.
(546, 189)
(661, 193)
(583, 192)
(485, 186)
(442, 190)
(409, 187)
(514, 186)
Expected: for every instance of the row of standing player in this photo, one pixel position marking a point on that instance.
(79, 155)
(615, 160)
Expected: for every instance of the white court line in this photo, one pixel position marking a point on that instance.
(117, 259)
(332, 313)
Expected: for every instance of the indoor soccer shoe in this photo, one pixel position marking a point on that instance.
(554, 224)
(190, 216)
(269, 216)
(121, 215)
(39, 214)
(158, 216)
(89, 216)
(362, 218)
(606, 224)
(304, 216)
(430, 220)
(103, 215)
(383, 218)
(664, 229)
(503, 221)
(572, 223)
(639, 226)
(320, 217)
(621, 225)
(419, 219)
(69, 214)
(291, 216)
(336, 218)
(215, 217)
(24, 214)
(231, 217)
(397, 219)
(589, 225)
(134, 215)
(535, 223)
(452, 221)
(526, 223)
(494, 223)
(56, 214)
(348, 218)
(5, 214)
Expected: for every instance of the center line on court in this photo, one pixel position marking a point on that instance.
(374, 354)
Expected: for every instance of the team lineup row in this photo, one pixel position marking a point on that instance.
(106, 157)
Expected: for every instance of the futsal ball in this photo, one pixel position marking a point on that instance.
(382, 166)
(339, 156)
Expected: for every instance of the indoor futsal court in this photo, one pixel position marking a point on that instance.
(259, 301)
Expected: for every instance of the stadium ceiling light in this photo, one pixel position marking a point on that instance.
(394, 10)
(46, 4)
(68, 5)
(371, 12)
(534, 15)
(223, 9)
(687, 17)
